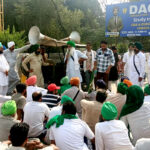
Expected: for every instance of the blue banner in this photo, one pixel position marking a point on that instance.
(128, 19)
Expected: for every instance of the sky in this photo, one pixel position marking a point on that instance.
(106, 2)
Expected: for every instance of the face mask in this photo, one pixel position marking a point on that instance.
(1, 52)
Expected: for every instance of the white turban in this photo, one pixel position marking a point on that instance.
(10, 44)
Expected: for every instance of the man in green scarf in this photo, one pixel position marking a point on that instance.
(110, 133)
(67, 131)
(136, 114)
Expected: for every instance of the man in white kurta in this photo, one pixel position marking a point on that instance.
(4, 68)
(72, 59)
(127, 58)
(137, 66)
(11, 55)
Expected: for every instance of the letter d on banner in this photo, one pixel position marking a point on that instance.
(133, 9)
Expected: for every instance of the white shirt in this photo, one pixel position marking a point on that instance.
(112, 135)
(147, 98)
(55, 111)
(70, 68)
(34, 115)
(32, 89)
(139, 122)
(143, 144)
(70, 135)
(4, 66)
(127, 58)
(140, 64)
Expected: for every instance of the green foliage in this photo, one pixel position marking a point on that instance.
(122, 48)
(17, 37)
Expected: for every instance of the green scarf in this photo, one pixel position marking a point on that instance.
(135, 99)
(59, 120)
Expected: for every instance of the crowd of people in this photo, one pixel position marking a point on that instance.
(64, 117)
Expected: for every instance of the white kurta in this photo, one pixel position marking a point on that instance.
(140, 64)
(4, 66)
(127, 59)
(70, 69)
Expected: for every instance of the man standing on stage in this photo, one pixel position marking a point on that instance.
(127, 60)
(88, 65)
(72, 59)
(104, 61)
(11, 55)
(4, 68)
(36, 61)
(137, 65)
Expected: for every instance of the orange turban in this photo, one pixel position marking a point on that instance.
(31, 80)
(127, 82)
(74, 81)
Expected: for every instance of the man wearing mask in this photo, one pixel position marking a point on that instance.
(11, 55)
(127, 58)
(137, 65)
(4, 68)
(36, 61)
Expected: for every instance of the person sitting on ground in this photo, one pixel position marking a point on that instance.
(51, 98)
(100, 86)
(65, 85)
(143, 144)
(147, 93)
(19, 140)
(127, 82)
(58, 109)
(20, 99)
(35, 113)
(93, 108)
(119, 99)
(7, 120)
(32, 87)
(67, 131)
(136, 114)
(111, 134)
(76, 94)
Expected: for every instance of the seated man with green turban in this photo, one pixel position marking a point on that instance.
(111, 134)
(65, 85)
(119, 99)
(136, 113)
(7, 120)
(147, 93)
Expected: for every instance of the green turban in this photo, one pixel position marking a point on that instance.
(109, 111)
(122, 88)
(147, 89)
(71, 43)
(65, 99)
(9, 108)
(138, 45)
(34, 48)
(65, 80)
(135, 99)
(1, 45)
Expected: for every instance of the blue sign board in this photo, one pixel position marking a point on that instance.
(128, 19)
